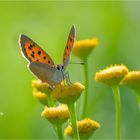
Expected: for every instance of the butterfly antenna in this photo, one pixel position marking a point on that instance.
(81, 63)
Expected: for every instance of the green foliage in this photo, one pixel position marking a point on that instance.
(115, 24)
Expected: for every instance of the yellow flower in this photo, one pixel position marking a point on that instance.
(67, 93)
(132, 80)
(42, 87)
(56, 115)
(83, 48)
(112, 75)
(86, 128)
(40, 91)
(42, 97)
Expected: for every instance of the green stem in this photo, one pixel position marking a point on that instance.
(59, 132)
(85, 98)
(50, 101)
(138, 98)
(118, 110)
(73, 118)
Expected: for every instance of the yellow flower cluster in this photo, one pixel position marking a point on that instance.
(60, 112)
(40, 86)
(86, 128)
(67, 93)
(132, 80)
(83, 48)
(40, 91)
(112, 75)
(56, 115)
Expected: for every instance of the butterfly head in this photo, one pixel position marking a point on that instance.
(60, 67)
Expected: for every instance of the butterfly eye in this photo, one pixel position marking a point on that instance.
(58, 67)
(62, 67)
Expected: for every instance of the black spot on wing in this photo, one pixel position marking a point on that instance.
(31, 45)
(32, 56)
(29, 48)
(39, 52)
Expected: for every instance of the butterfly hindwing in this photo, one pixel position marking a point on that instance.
(42, 71)
(33, 52)
(69, 46)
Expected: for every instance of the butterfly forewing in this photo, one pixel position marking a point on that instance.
(69, 46)
(33, 52)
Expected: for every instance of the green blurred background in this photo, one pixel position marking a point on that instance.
(117, 27)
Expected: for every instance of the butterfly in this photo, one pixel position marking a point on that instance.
(40, 63)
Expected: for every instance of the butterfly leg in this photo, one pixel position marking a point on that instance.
(67, 77)
(52, 87)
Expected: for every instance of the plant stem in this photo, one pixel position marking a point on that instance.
(138, 98)
(50, 101)
(118, 110)
(73, 118)
(85, 98)
(59, 132)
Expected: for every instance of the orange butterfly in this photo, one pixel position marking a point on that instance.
(41, 64)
